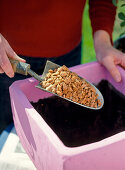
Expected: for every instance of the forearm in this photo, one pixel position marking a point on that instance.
(101, 39)
(102, 15)
(107, 55)
(101, 36)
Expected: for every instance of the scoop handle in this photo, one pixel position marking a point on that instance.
(20, 67)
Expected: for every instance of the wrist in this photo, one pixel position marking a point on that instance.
(101, 38)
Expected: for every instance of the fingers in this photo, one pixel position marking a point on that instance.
(1, 71)
(7, 52)
(111, 67)
(5, 65)
(121, 57)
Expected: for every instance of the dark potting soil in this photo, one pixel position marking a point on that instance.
(76, 125)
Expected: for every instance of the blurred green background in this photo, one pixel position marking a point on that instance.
(88, 52)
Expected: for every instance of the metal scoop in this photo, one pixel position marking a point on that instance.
(24, 68)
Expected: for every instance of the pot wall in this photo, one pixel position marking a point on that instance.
(44, 147)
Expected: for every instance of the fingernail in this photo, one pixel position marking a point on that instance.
(11, 75)
(118, 78)
(23, 60)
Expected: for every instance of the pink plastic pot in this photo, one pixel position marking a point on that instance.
(44, 147)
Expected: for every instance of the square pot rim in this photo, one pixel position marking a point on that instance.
(51, 135)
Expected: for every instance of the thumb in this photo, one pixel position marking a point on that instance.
(111, 67)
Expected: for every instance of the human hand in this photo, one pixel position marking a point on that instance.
(107, 55)
(7, 52)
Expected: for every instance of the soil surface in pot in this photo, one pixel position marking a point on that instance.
(76, 125)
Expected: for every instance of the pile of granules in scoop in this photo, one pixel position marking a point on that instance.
(69, 85)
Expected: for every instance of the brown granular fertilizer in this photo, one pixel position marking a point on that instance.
(68, 85)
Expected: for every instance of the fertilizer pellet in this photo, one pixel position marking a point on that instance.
(68, 85)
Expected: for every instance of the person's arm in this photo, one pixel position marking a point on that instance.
(7, 52)
(102, 14)
(107, 55)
